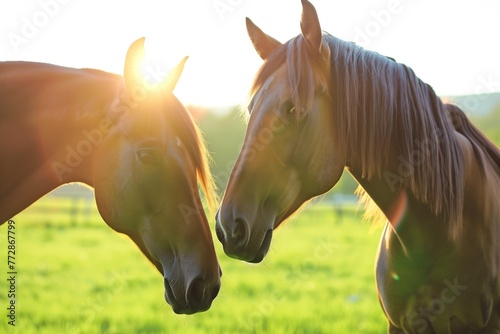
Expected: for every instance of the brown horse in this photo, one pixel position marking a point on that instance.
(320, 105)
(135, 144)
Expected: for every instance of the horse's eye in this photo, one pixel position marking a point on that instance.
(148, 157)
(288, 108)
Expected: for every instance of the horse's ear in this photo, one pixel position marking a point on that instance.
(311, 30)
(133, 61)
(173, 76)
(263, 44)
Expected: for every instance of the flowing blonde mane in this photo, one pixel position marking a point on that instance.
(190, 135)
(197, 150)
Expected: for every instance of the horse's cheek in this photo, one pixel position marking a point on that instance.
(106, 177)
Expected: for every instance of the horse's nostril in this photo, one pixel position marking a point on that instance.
(239, 232)
(233, 235)
(195, 292)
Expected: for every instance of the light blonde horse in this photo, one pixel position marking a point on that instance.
(320, 105)
(136, 145)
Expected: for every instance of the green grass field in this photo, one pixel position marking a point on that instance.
(79, 276)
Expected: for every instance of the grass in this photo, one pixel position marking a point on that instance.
(76, 275)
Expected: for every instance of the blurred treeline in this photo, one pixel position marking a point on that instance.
(490, 124)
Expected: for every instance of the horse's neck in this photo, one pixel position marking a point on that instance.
(44, 141)
(414, 223)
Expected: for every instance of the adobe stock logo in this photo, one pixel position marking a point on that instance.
(425, 316)
(75, 155)
(34, 23)
(380, 20)
(225, 6)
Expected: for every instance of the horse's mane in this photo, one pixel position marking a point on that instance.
(480, 143)
(192, 139)
(383, 110)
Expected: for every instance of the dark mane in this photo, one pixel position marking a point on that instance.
(382, 110)
(383, 104)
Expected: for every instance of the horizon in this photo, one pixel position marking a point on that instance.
(448, 44)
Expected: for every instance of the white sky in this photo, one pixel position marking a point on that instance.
(452, 45)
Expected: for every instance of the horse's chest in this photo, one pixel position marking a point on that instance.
(433, 294)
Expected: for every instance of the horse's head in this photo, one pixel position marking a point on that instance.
(288, 155)
(146, 185)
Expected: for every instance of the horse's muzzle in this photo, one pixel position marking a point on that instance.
(237, 242)
(198, 296)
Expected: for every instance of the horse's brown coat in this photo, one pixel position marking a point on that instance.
(431, 173)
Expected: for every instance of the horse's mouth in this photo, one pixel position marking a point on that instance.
(266, 242)
(169, 294)
(264, 247)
